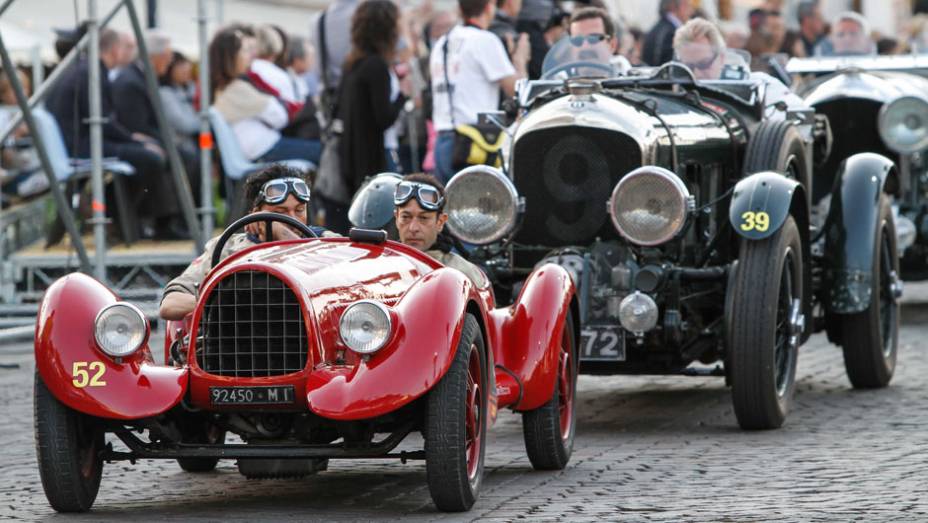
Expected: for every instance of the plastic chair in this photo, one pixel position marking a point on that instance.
(66, 169)
(237, 166)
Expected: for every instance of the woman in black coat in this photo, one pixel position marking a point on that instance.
(365, 107)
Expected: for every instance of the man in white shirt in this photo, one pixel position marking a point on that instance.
(478, 67)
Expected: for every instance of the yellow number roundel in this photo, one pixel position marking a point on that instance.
(755, 221)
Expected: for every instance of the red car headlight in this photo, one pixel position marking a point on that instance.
(365, 326)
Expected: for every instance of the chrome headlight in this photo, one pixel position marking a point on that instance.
(365, 326)
(120, 329)
(903, 124)
(483, 205)
(649, 205)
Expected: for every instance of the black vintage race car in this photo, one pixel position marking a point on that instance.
(682, 209)
(881, 103)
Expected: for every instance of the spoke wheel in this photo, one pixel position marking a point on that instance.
(870, 338)
(549, 430)
(766, 328)
(68, 446)
(456, 425)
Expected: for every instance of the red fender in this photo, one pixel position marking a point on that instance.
(428, 323)
(134, 388)
(527, 334)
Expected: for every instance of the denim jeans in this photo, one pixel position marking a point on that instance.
(444, 151)
(288, 148)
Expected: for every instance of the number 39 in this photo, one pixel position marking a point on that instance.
(82, 377)
(755, 221)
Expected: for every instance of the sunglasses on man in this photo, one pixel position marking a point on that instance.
(429, 197)
(702, 65)
(276, 191)
(590, 39)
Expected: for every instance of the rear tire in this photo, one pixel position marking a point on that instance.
(870, 338)
(68, 445)
(764, 342)
(549, 430)
(456, 425)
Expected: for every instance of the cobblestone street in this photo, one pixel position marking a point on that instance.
(647, 449)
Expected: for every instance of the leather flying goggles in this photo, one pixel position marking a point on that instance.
(428, 197)
(276, 191)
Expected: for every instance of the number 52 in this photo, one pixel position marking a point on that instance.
(755, 221)
(81, 377)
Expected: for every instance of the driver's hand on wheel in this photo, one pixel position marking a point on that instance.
(279, 231)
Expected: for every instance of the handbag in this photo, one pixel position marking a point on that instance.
(329, 182)
(477, 144)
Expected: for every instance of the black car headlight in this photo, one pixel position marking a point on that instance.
(903, 124)
(483, 205)
(649, 206)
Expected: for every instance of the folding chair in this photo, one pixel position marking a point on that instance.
(237, 166)
(69, 170)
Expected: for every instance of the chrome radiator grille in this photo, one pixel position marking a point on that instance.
(252, 327)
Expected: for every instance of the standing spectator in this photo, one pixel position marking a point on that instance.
(658, 44)
(69, 103)
(533, 19)
(504, 23)
(136, 113)
(256, 117)
(333, 40)
(477, 68)
(556, 27)
(767, 39)
(811, 25)
(366, 105)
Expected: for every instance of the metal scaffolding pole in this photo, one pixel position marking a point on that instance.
(206, 137)
(95, 121)
(64, 209)
(181, 183)
(39, 92)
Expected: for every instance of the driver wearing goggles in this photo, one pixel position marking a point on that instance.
(419, 203)
(275, 189)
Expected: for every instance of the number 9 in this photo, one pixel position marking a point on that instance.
(763, 221)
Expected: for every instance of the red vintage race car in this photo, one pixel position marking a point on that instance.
(307, 350)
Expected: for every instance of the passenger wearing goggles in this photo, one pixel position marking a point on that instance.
(276, 189)
(419, 203)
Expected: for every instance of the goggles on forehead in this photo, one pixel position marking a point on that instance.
(276, 191)
(428, 196)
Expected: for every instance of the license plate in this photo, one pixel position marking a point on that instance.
(273, 395)
(602, 343)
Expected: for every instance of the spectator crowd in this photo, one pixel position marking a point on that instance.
(369, 87)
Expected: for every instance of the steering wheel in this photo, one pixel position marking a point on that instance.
(576, 65)
(268, 218)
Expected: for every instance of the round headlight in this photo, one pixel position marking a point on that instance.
(120, 329)
(638, 313)
(649, 206)
(903, 124)
(365, 326)
(482, 205)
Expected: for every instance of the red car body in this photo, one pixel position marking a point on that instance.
(428, 303)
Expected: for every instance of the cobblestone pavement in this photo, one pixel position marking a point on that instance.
(647, 449)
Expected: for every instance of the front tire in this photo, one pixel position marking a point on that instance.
(68, 445)
(870, 338)
(766, 328)
(456, 425)
(549, 430)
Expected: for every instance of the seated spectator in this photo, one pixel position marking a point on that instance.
(275, 189)
(300, 62)
(266, 74)
(68, 102)
(20, 171)
(135, 111)
(256, 117)
(178, 91)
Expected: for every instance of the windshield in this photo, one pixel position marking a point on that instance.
(587, 56)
